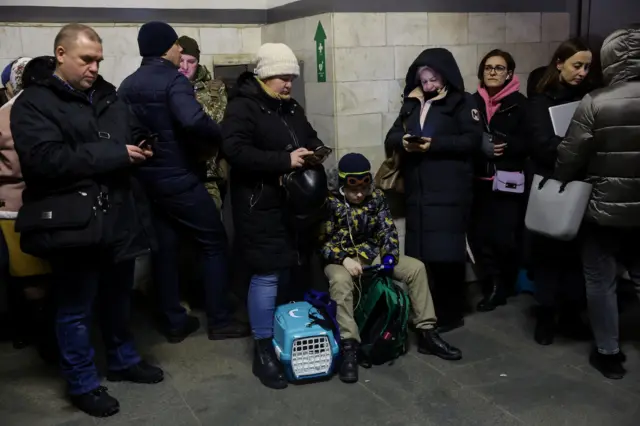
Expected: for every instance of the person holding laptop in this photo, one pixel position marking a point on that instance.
(556, 266)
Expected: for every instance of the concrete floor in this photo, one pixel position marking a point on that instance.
(504, 379)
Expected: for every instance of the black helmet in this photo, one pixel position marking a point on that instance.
(306, 190)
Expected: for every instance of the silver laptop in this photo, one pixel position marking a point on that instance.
(561, 116)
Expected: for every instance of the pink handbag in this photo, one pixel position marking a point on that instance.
(512, 182)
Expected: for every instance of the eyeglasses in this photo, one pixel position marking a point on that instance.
(499, 69)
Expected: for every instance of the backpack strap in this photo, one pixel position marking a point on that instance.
(328, 310)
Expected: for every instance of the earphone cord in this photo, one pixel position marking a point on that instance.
(356, 283)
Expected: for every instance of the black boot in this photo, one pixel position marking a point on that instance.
(141, 372)
(96, 403)
(349, 364)
(177, 335)
(494, 295)
(545, 326)
(430, 342)
(266, 366)
(609, 365)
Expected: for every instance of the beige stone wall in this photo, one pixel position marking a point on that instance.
(225, 45)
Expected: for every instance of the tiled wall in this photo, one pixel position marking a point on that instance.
(299, 35)
(223, 44)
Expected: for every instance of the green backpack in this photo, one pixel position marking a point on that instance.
(382, 316)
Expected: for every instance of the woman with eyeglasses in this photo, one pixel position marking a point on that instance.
(500, 183)
(556, 265)
(437, 134)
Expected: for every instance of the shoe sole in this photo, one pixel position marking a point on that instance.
(103, 414)
(446, 358)
(349, 381)
(118, 378)
(107, 414)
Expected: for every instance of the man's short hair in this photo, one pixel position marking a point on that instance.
(70, 33)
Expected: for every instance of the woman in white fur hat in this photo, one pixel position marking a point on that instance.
(266, 136)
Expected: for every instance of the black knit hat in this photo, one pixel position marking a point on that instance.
(354, 164)
(189, 47)
(155, 39)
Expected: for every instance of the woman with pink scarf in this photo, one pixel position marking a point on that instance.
(499, 200)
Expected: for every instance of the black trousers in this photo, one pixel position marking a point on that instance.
(448, 290)
(495, 234)
(557, 273)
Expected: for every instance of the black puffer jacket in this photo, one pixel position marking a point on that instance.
(67, 141)
(163, 100)
(543, 141)
(259, 131)
(603, 141)
(439, 182)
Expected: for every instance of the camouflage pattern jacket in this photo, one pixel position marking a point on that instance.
(366, 230)
(212, 95)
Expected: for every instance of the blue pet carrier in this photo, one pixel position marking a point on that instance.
(306, 349)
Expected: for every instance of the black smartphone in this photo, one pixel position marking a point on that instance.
(149, 141)
(414, 139)
(322, 151)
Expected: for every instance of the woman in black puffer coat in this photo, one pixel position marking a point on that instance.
(438, 174)
(556, 265)
(266, 137)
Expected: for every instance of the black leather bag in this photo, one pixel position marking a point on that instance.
(62, 221)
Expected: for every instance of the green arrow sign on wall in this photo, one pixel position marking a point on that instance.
(321, 66)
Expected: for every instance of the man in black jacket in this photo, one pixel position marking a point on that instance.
(77, 144)
(602, 147)
(164, 101)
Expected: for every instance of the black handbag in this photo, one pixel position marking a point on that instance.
(62, 221)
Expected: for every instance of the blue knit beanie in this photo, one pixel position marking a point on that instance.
(6, 74)
(155, 38)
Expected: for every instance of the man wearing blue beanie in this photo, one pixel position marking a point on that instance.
(164, 101)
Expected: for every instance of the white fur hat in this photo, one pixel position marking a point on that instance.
(276, 59)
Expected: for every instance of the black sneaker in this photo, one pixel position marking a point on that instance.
(609, 365)
(233, 330)
(177, 335)
(97, 403)
(142, 372)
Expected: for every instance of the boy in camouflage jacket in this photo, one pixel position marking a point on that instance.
(359, 230)
(212, 95)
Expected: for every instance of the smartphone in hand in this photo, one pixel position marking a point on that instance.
(149, 142)
(414, 139)
(319, 155)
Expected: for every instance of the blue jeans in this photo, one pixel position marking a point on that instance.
(195, 213)
(81, 280)
(263, 292)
